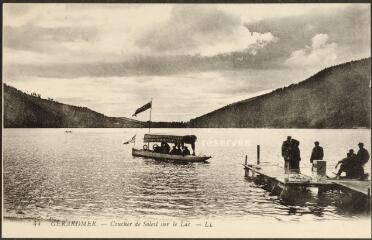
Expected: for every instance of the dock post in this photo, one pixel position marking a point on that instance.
(368, 203)
(320, 170)
(246, 169)
(258, 154)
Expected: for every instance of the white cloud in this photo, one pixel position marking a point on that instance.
(241, 40)
(319, 55)
(180, 29)
(116, 27)
(319, 41)
(257, 12)
(88, 70)
(205, 30)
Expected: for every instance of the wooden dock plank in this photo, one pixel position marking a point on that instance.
(358, 186)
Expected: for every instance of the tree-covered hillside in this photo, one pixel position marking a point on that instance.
(336, 97)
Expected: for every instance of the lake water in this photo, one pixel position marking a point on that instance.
(89, 173)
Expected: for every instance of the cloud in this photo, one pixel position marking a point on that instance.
(17, 9)
(42, 39)
(192, 58)
(138, 66)
(338, 23)
(74, 40)
(319, 54)
(319, 41)
(78, 33)
(204, 30)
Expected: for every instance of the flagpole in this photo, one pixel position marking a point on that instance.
(150, 116)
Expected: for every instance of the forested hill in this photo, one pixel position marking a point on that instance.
(27, 111)
(336, 97)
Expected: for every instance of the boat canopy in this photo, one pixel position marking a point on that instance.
(189, 139)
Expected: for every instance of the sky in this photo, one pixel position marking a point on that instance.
(190, 59)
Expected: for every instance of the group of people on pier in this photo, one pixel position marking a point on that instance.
(176, 149)
(291, 154)
(352, 165)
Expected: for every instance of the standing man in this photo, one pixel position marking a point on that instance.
(295, 156)
(362, 158)
(286, 152)
(317, 153)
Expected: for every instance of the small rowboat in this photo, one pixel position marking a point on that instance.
(168, 156)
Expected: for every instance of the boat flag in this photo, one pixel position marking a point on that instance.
(143, 108)
(132, 140)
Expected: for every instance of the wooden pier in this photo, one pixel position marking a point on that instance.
(277, 174)
(363, 187)
(287, 183)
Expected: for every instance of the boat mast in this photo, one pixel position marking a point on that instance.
(150, 116)
(148, 144)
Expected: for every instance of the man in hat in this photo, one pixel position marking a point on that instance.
(347, 165)
(185, 151)
(174, 150)
(362, 158)
(362, 155)
(317, 153)
(295, 156)
(286, 152)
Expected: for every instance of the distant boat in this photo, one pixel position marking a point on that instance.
(146, 152)
(68, 131)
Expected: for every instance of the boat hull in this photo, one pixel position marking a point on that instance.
(168, 157)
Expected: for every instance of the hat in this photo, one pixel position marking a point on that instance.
(360, 144)
(351, 150)
(316, 142)
(289, 137)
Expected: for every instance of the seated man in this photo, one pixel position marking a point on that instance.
(185, 151)
(347, 165)
(166, 148)
(174, 150)
(163, 148)
(178, 150)
(157, 149)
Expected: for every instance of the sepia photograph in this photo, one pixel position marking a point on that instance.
(192, 120)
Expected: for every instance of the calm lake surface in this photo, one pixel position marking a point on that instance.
(89, 173)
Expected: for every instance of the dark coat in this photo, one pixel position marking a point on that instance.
(186, 152)
(295, 155)
(349, 162)
(173, 151)
(286, 150)
(317, 154)
(362, 156)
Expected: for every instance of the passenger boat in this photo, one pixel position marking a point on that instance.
(154, 139)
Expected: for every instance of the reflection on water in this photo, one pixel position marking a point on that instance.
(89, 173)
